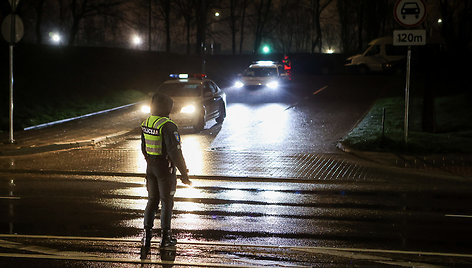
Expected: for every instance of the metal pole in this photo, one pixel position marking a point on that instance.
(407, 93)
(11, 140)
(12, 42)
(149, 25)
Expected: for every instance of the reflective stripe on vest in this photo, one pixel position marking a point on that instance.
(151, 128)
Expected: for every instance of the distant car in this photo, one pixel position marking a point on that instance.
(262, 74)
(197, 100)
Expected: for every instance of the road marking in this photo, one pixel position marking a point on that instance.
(319, 90)
(124, 260)
(229, 244)
(39, 249)
(10, 197)
(305, 98)
(458, 216)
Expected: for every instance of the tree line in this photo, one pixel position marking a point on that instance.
(242, 26)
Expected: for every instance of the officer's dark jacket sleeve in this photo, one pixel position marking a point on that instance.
(171, 139)
(143, 146)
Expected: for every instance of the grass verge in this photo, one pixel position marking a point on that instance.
(453, 118)
(41, 109)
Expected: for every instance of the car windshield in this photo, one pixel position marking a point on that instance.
(181, 89)
(260, 72)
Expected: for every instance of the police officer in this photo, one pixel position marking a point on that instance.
(160, 145)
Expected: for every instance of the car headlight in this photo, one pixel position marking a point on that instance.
(273, 84)
(239, 84)
(146, 109)
(188, 109)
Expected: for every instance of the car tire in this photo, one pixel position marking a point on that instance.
(221, 113)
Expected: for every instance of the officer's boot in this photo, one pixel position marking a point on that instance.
(167, 239)
(146, 241)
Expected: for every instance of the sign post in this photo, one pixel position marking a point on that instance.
(12, 31)
(409, 13)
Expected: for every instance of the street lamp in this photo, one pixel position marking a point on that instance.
(55, 38)
(217, 14)
(136, 40)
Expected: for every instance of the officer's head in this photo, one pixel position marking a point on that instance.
(161, 104)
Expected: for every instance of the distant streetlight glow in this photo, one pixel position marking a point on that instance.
(55, 37)
(137, 40)
(330, 51)
(439, 21)
(217, 14)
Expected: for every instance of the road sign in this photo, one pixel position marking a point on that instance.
(18, 29)
(13, 4)
(409, 37)
(409, 13)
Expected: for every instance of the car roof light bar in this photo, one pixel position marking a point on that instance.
(265, 62)
(186, 76)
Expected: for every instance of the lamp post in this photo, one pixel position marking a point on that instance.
(12, 31)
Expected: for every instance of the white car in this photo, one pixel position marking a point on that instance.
(380, 56)
(197, 100)
(262, 74)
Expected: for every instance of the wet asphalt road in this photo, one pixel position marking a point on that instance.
(90, 218)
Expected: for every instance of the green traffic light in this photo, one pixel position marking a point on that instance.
(266, 49)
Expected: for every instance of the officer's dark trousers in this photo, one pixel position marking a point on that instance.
(161, 184)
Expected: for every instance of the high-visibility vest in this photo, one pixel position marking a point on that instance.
(152, 128)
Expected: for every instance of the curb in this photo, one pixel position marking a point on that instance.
(80, 117)
(453, 165)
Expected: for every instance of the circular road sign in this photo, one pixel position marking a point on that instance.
(18, 29)
(409, 13)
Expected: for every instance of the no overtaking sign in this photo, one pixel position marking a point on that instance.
(409, 13)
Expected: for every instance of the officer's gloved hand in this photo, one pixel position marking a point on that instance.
(185, 179)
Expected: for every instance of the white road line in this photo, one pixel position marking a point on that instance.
(458, 216)
(10, 197)
(39, 249)
(125, 260)
(388, 251)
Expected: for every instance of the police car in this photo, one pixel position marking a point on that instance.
(197, 100)
(262, 74)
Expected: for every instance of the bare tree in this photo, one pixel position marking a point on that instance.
(457, 24)
(73, 12)
(39, 7)
(317, 6)
(232, 24)
(186, 9)
(237, 11)
(286, 23)
(263, 9)
(164, 8)
(201, 16)
(243, 17)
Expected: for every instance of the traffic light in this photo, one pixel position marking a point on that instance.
(266, 49)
